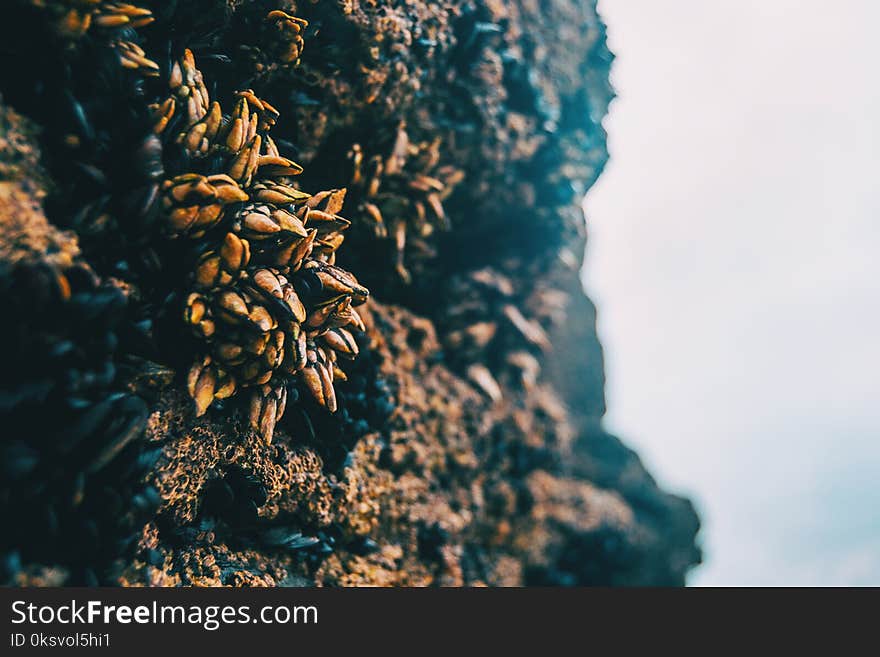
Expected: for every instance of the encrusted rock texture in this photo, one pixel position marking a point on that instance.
(467, 448)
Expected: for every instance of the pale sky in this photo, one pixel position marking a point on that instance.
(734, 257)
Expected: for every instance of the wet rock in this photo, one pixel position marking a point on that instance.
(466, 447)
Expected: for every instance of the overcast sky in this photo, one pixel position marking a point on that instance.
(735, 259)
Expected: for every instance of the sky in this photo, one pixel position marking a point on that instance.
(734, 255)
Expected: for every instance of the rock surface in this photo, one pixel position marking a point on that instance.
(468, 448)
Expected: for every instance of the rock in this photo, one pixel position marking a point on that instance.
(467, 448)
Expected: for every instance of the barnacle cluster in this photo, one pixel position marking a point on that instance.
(280, 43)
(267, 301)
(114, 21)
(492, 337)
(73, 18)
(403, 184)
(264, 297)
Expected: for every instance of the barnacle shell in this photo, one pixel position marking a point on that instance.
(266, 408)
(133, 57)
(276, 193)
(194, 203)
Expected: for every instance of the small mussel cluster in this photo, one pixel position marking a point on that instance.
(71, 462)
(267, 302)
(405, 184)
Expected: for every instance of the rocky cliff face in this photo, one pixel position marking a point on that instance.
(466, 445)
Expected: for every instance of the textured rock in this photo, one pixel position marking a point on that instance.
(468, 448)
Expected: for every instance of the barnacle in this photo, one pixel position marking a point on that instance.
(162, 114)
(198, 136)
(406, 185)
(195, 203)
(224, 265)
(265, 111)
